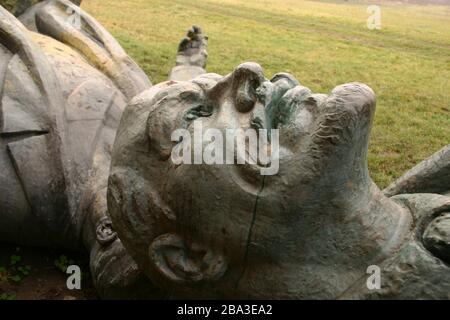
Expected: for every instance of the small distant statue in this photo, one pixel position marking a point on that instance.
(192, 56)
(85, 152)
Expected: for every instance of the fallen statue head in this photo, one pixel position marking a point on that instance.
(310, 231)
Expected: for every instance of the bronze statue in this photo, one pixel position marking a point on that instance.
(156, 229)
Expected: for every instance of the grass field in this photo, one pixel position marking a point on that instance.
(323, 44)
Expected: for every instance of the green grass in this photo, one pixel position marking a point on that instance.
(323, 44)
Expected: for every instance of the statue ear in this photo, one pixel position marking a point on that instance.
(184, 262)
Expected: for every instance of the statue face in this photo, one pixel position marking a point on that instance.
(225, 229)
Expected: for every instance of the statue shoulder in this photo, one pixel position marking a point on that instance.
(31, 124)
(62, 99)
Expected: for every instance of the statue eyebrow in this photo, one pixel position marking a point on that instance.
(199, 111)
(191, 95)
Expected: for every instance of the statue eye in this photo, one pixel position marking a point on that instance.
(198, 112)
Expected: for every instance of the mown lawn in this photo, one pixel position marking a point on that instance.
(323, 44)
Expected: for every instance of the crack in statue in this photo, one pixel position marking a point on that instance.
(85, 145)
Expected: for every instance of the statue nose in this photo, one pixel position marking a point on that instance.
(240, 87)
(241, 97)
(246, 79)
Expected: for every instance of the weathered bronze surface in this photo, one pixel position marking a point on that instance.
(85, 145)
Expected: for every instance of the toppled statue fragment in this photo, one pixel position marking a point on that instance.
(85, 152)
(430, 176)
(62, 97)
(191, 57)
